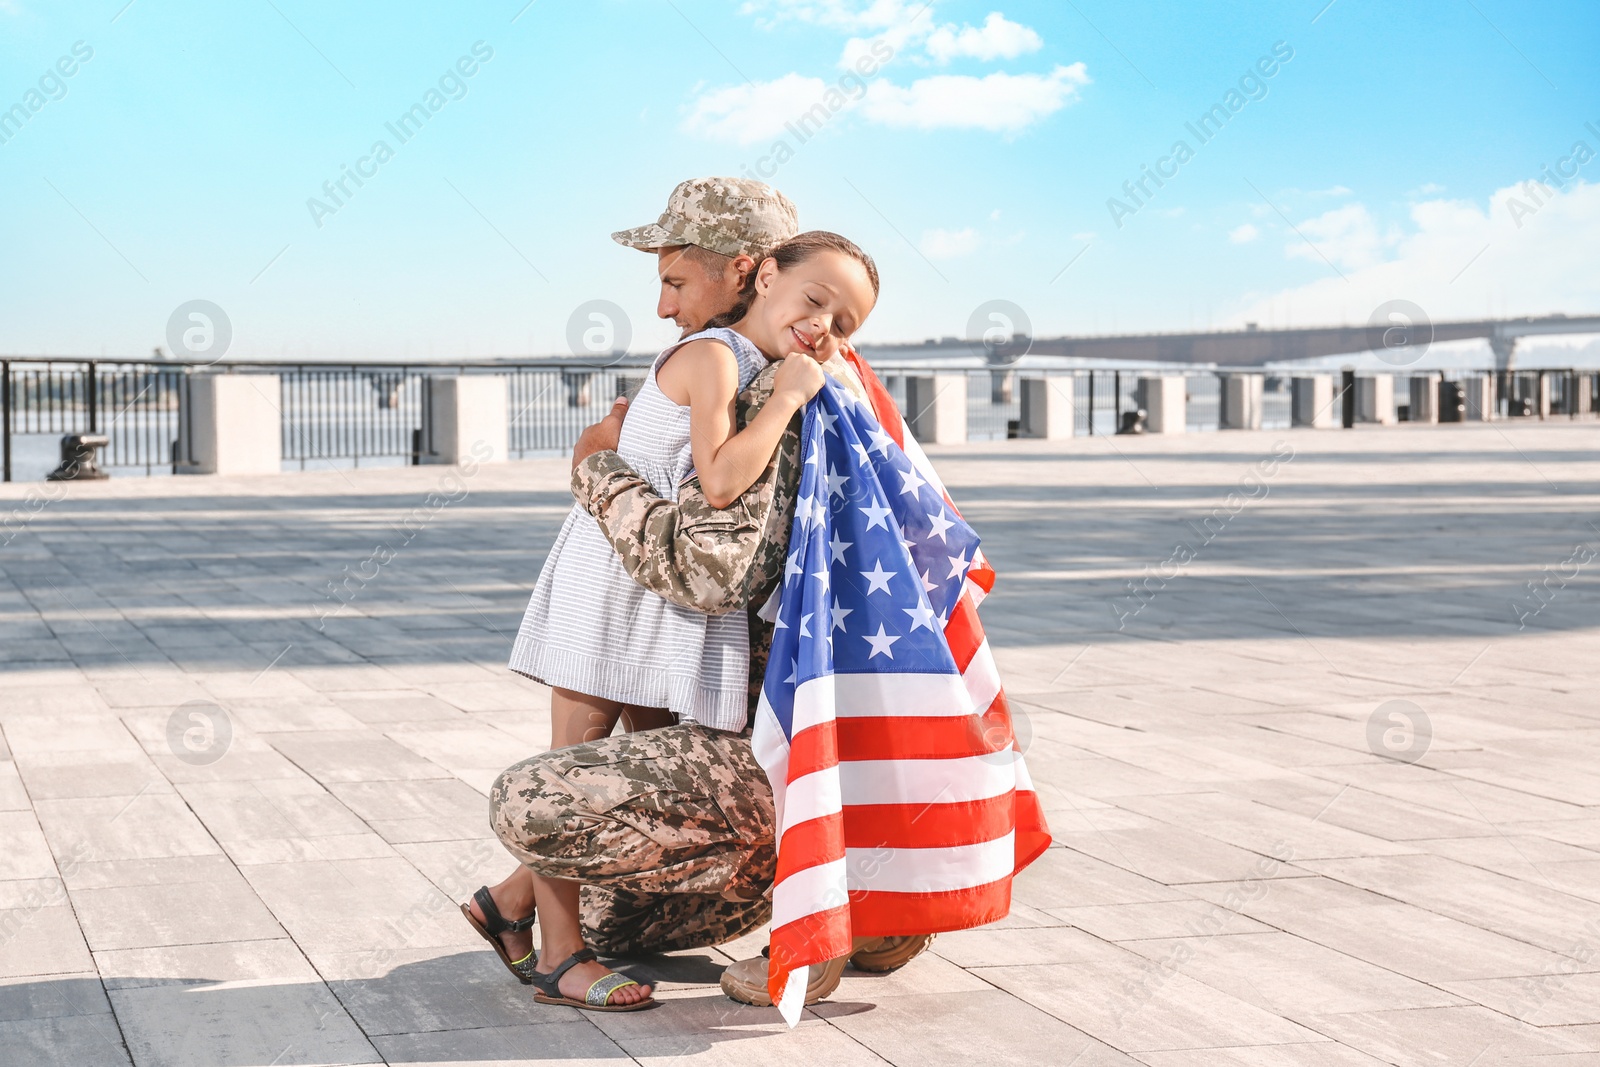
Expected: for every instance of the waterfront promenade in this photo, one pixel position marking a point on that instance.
(1322, 792)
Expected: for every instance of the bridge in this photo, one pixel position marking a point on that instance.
(1254, 347)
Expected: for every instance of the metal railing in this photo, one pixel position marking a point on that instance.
(364, 413)
(137, 405)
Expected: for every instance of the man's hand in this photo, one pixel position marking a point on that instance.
(603, 435)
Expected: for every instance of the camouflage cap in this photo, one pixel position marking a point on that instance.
(733, 216)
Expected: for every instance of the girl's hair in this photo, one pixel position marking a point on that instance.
(794, 251)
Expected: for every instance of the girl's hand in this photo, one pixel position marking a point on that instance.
(799, 378)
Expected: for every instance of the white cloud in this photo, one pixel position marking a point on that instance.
(998, 101)
(1243, 235)
(1456, 254)
(949, 244)
(751, 113)
(1346, 235)
(999, 38)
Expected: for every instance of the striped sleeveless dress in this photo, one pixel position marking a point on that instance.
(590, 627)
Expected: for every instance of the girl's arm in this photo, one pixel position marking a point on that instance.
(729, 463)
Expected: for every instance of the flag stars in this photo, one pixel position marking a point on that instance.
(880, 441)
(836, 482)
(837, 547)
(791, 566)
(877, 515)
(878, 579)
(881, 643)
(805, 624)
(940, 525)
(920, 616)
(928, 586)
(838, 619)
(958, 566)
(911, 481)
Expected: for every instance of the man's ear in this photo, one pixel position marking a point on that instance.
(742, 266)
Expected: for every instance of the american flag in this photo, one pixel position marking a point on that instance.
(903, 804)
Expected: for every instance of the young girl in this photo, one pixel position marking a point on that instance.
(601, 641)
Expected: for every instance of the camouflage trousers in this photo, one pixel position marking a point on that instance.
(669, 831)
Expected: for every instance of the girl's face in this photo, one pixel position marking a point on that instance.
(813, 307)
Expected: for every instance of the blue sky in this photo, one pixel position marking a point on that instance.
(1383, 160)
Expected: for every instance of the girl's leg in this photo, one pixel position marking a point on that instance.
(635, 718)
(514, 898)
(577, 717)
(560, 936)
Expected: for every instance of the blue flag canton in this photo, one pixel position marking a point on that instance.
(877, 560)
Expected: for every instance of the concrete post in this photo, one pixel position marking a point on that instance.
(1047, 407)
(1424, 398)
(1241, 401)
(236, 423)
(1375, 399)
(1478, 395)
(468, 419)
(1584, 398)
(1311, 402)
(936, 408)
(1544, 395)
(1165, 403)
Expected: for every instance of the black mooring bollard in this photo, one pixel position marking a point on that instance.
(78, 460)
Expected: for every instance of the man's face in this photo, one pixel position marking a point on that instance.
(690, 294)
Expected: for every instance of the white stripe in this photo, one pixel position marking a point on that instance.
(919, 460)
(982, 678)
(926, 781)
(811, 796)
(771, 750)
(809, 891)
(930, 870)
(1024, 779)
(848, 696)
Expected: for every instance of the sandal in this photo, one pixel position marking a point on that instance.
(598, 994)
(493, 926)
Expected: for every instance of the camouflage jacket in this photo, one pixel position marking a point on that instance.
(696, 556)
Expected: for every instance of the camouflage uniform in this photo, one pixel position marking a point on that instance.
(670, 830)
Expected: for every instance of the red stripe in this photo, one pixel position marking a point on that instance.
(964, 633)
(822, 935)
(816, 748)
(881, 914)
(969, 822)
(923, 737)
(809, 843)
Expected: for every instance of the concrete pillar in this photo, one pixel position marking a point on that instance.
(1477, 393)
(1311, 402)
(1375, 399)
(235, 423)
(1424, 398)
(467, 419)
(1584, 399)
(936, 408)
(1543, 407)
(1241, 401)
(1047, 410)
(1165, 401)
(1002, 384)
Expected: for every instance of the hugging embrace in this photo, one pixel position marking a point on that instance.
(781, 761)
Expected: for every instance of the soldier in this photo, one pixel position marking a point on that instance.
(669, 831)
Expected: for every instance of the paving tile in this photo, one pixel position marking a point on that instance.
(353, 756)
(56, 997)
(91, 1040)
(142, 826)
(173, 913)
(359, 906)
(571, 1042)
(1290, 976)
(1423, 1037)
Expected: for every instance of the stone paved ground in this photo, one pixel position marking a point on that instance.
(1252, 866)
